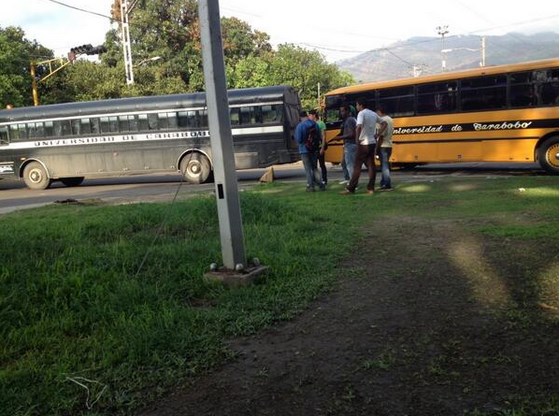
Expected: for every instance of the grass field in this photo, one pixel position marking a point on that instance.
(105, 308)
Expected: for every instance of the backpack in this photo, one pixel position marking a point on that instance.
(313, 140)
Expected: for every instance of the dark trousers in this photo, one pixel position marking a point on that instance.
(366, 154)
(323, 167)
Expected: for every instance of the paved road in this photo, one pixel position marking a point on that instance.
(14, 195)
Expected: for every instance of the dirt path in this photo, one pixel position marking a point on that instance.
(420, 326)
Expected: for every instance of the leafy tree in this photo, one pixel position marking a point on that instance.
(291, 65)
(16, 55)
(241, 42)
(169, 30)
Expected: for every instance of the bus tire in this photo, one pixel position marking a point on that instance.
(35, 176)
(547, 154)
(75, 181)
(196, 168)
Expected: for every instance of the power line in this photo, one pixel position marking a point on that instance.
(80, 9)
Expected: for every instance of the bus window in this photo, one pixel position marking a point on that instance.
(95, 128)
(109, 124)
(14, 132)
(397, 101)
(521, 91)
(247, 115)
(76, 130)
(18, 131)
(142, 122)
(192, 117)
(124, 126)
(57, 128)
(66, 127)
(36, 130)
(187, 119)
(272, 113)
(85, 126)
(483, 93)
(258, 115)
(3, 135)
(152, 121)
(49, 129)
(437, 98)
(104, 124)
(234, 117)
(203, 118)
(548, 88)
(133, 123)
(172, 120)
(163, 122)
(182, 118)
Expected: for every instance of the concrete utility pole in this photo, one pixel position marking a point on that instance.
(225, 177)
(483, 51)
(125, 34)
(442, 31)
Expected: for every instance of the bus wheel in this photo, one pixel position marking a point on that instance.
(195, 168)
(547, 154)
(35, 176)
(72, 181)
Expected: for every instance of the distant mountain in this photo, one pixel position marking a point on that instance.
(423, 55)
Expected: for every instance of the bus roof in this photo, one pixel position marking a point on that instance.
(176, 101)
(476, 72)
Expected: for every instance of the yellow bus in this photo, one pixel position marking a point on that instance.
(506, 113)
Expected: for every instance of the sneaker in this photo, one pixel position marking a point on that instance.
(370, 191)
(386, 188)
(310, 189)
(343, 182)
(347, 192)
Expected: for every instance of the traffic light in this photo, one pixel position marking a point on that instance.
(81, 49)
(87, 49)
(41, 71)
(96, 50)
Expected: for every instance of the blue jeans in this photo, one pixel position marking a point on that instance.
(350, 151)
(385, 155)
(311, 172)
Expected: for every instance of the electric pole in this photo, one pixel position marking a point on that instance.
(442, 31)
(483, 51)
(125, 35)
(225, 177)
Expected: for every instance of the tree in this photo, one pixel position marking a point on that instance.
(291, 65)
(241, 42)
(16, 55)
(169, 30)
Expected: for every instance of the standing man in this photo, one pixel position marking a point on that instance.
(348, 134)
(385, 148)
(308, 156)
(314, 116)
(366, 139)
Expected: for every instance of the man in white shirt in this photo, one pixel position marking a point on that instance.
(385, 149)
(366, 139)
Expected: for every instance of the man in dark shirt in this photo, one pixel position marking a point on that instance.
(308, 157)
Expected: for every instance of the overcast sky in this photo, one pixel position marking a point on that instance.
(338, 30)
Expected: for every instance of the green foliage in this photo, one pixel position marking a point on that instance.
(290, 65)
(170, 30)
(16, 55)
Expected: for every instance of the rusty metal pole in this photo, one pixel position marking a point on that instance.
(34, 85)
